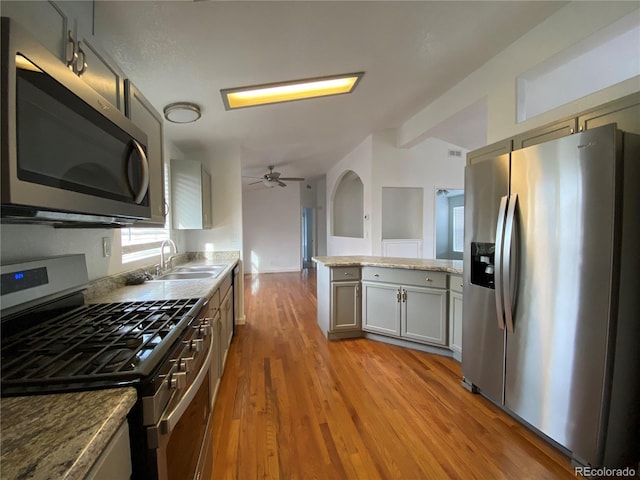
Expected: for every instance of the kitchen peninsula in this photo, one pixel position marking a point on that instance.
(411, 302)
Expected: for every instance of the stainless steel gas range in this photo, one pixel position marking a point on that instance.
(52, 343)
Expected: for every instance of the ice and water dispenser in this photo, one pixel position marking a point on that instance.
(482, 264)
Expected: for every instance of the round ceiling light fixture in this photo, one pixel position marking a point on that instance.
(182, 112)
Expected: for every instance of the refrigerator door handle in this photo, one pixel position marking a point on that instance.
(508, 263)
(502, 212)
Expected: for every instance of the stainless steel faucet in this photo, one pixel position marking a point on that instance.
(163, 263)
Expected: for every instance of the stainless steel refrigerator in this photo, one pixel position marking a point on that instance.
(551, 315)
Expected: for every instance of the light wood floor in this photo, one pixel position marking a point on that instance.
(293, 405)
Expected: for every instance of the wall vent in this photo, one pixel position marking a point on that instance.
(455, 153)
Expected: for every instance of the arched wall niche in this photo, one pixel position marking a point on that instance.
(348, 206)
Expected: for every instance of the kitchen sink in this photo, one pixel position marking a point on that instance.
(186, 275)
(193, 272)
(201, 268)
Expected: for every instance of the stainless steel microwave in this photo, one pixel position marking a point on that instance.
(68, 155)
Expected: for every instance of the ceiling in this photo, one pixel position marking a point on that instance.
(411, 52)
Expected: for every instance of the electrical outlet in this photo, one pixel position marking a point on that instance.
(106, 247)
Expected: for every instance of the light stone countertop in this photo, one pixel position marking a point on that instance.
(59, 436)
(449, 266)
(168, 289)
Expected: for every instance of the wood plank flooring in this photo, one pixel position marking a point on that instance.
(293, 405)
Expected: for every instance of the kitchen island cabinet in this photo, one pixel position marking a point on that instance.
(339, 303)
(409, 304)
(399, 300)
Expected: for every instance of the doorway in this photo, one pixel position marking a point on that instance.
(308, 237)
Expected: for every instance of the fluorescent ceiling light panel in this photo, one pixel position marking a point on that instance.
(288, 91)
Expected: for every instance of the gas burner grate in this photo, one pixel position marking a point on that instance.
(117, 341)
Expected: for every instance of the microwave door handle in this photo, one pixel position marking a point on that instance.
(144, 183)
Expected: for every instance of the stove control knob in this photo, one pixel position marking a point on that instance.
(196, 345)
(186, 364)
(178, 380)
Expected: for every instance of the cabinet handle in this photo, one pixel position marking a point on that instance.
(357, 289)
(572, 131)
(83, 63)
(346, 274)
(70, 54)
(428, 279)
(398, 295)
(461, 285)
(376, 274)
(404, 296)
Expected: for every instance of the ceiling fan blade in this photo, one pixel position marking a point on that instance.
(292, 179)
(281, 184)
(255, 183)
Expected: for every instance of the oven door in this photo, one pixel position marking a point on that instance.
(181, 437)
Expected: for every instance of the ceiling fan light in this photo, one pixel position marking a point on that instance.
(289, 91)
(182, 112)
(268, 183)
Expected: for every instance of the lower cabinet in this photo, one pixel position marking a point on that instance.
(115, 461)
(345, 314)
(455, 315)
(402, 307)
(339, 301)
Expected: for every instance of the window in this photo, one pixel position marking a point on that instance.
(139, 243)
(458, 229)
(607, 57)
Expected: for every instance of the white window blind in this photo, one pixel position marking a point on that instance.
(458, 229)
(139, 243)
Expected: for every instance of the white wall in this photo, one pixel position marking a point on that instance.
(496, 79)
(359, 161)
(427, 165)
(271, 227)
(226, 191)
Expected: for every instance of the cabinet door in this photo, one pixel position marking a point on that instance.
(346, 305)
(455, 321)
(207, 221)
(423, 313)
(381, 304)
(624, 111)
(214, 368)
(489, 151)
(99, 70)
(142, 113)
(48, 22)
(545, 134)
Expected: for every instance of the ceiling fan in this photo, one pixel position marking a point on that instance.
(271, 179)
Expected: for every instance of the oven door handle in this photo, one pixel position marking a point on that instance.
(169, 421)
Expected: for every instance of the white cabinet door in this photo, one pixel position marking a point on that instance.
(424, 314)
(346, 305)
(381, 303)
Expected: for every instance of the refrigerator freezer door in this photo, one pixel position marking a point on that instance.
(483, 352)
(556, 355)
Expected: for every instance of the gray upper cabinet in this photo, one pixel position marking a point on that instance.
(53, 24)
(624, 111)
(489, 151)
(546, 133)
(190, 195)
(66, 29)
(142, 113)
(97, 69)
